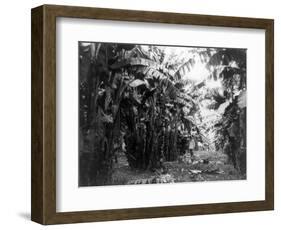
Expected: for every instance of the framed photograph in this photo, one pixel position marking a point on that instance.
(140, 114)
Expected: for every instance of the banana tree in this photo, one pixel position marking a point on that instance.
(101, 91)
(228, 66)
(152, 106)
(128, 91)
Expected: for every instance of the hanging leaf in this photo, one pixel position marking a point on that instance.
(135, 62)
(226, 56)
(137, 83)
(106, 118)
(108, 98)
(242, 102)
(184, 69)
(94, 49)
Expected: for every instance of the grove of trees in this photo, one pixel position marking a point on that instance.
(149, 101)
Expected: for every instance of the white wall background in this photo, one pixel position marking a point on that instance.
(15, 114)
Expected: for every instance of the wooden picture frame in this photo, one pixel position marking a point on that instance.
(43, 205)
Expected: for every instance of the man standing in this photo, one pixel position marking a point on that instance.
(191, 147)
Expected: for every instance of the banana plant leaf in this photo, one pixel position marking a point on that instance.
(242, 102)
(137, 83)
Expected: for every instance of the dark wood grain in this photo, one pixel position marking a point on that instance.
(44, 114)
(269, 113)
(37, 116)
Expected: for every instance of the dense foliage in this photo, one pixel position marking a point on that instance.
(143, 101)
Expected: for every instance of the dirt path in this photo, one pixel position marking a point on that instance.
(206, 166)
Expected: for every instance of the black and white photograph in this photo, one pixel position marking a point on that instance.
(157, 114)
